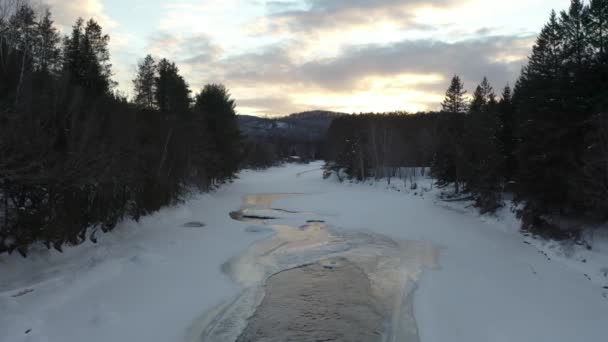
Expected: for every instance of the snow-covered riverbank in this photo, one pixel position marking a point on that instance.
(150, 281)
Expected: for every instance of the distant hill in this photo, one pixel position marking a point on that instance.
(302, 127)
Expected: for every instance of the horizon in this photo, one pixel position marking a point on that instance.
(285, 57)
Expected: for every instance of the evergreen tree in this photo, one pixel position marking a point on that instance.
(594, 182)
(449, 164)
(506, 133)
(547, 57)
(576, 42)
(597, 28)
(97, 56)
(47, 53)
(598, 36)
(578, 55)
(73, 63)
(87, 58)
(454, 101)
(554, 99)
(172, 94)
(484, 94)
(75, 156)
(217, 107)
(482, 159)
(144, 83)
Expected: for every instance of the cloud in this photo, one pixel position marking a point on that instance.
(471, 58)
(193, 49)
(323, 15)
(274, 7)
(65, 12)
(408, 75)
(354, 67)
(280, 56)
(273, 105)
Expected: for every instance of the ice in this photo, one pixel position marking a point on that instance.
(151, 281)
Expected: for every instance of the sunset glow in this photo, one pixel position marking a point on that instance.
(281, 57)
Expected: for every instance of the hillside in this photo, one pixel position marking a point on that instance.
(298, 127)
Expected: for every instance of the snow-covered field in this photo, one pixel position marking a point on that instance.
(150, 281)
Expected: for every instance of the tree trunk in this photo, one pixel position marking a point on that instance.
(361, 165)
(164, 156)
(375, 151)
(21, 76)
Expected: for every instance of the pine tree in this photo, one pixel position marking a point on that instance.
(47, 53)
(576, 42)
(218, 109)
(484, 94)
(482, 161)
(73, 155)
(454, 101)
(548, 52)
(72, 59)
(554, 98)
(172, 94)
(95, 49)
(597, 28)
(506, 133)
(144, 83)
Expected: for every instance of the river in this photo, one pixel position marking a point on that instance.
(313, 282)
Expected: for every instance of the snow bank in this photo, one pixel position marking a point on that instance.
(588, 257)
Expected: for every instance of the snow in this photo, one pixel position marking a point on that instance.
(152, 280)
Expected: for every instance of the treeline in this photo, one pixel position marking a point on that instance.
(274, 150)
(476, 139)
(545, 140)
(297, 137)
(74, 154)
(379, 145)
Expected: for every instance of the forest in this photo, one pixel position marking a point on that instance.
(76, 157)
(545, 141)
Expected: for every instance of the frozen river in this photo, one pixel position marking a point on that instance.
(284, 255)
(313, 282)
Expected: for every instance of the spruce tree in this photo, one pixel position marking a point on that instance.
(47, 53)
(597, 27)
(576, 41)
(455, 101)
(97, 54)
(172, 94)
(144, 83)
(73, 155)
(481, 173)
(506, 133)
(217, 107)
(449, 164)
(554, 98)
(547, 57)
(72, 59)
(484, 94)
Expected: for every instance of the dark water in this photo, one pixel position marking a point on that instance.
(319, 302)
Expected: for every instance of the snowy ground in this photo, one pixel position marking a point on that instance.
(150, 281)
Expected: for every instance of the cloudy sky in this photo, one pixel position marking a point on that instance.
(284, 56)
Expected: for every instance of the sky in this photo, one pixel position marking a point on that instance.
(284, 56)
